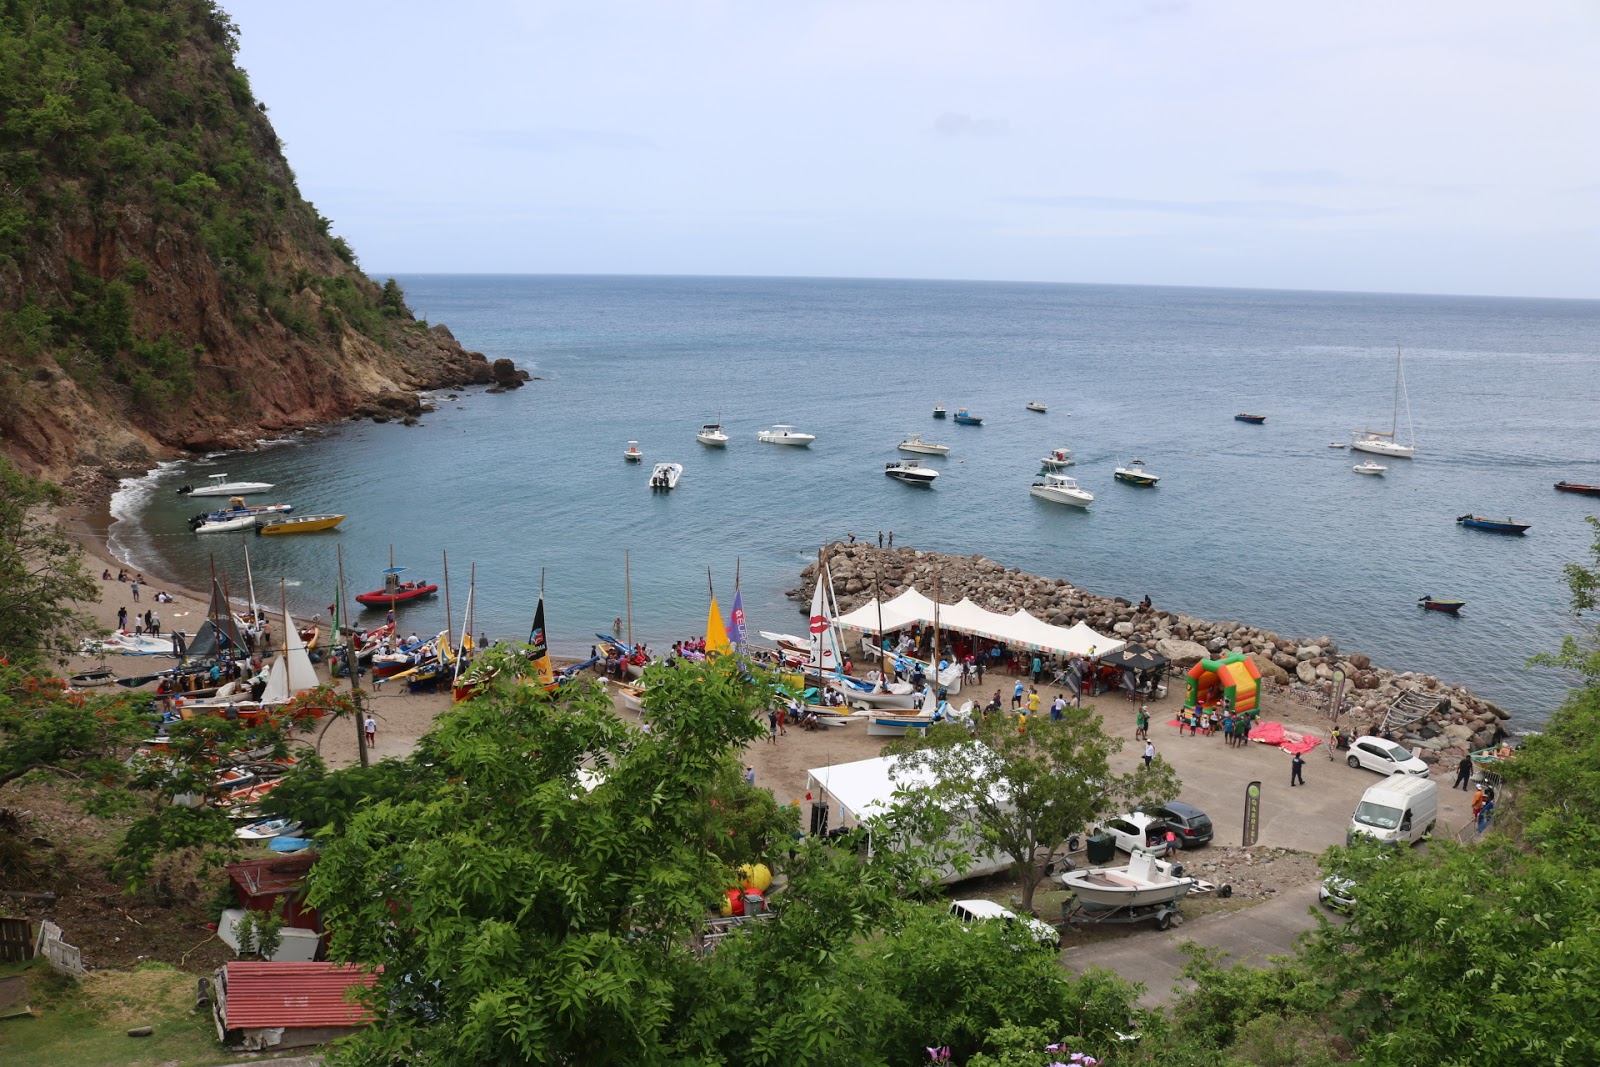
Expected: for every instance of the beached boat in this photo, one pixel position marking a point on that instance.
(1449, 607)
(1143, 882)
(632, 453)
(220, 486)
(1034, 405)
(267, 829)
(783, 434)
(1057, 459)
(395, 591)
(910, 471)
(1255, 420)
(879, 696)
(1574, 487)
(1061, 489)
(895, 724)
(298, 524)
(1388, 444)
(1369, 467)
(93, 679)
(1505, 526)
(665, 476)
(237, 522)
(964, 417)
(712, 435)
(915, 443)
(1135, 474)
(938, 411)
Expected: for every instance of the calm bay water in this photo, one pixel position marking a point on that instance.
(1259, 523)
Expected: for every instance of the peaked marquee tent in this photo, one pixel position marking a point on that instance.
(1020, 629)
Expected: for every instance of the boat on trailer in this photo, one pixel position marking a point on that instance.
(1146, 888)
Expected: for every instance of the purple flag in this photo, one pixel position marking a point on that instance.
(736, 621)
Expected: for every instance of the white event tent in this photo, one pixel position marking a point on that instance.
(1020, 629)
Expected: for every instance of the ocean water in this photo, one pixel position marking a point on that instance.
(1264, 524)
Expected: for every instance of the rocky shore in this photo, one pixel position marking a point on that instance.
(1460, 721)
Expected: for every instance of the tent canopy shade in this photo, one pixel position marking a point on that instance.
(1019, 629)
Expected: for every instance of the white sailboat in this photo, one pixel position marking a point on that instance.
(1388, 444)
(826, 643)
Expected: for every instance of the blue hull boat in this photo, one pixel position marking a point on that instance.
(965, 418)
(1256, 419)
(1508, 526)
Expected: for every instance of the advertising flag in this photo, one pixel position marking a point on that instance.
(540, 647)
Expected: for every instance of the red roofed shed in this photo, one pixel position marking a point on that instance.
(259, 884)
(263, 1005)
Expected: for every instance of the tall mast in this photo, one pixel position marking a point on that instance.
(938, 592)
(877, 595)
(391, 581)
(447, 634)
(627, 592)
(1394, 417)
(353, 664)
(249, 577)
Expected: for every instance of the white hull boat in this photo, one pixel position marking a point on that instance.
(1034, 405)
(915, 443)
(781, 434)
(1369, 467)
(129, 644)
(1143, 882)
(1380, 445)
(241, 522)
(220, 486)
(267, 829)
(632, 453)
(1388, 444)
(898, 696)
(890, 724)
(910, 472)
(1057, 459)
(1135, 474)
(712, 436)
(1060, 489)
(1337, 444)
(665, 476)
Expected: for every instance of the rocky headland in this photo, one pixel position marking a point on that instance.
(1460, 721)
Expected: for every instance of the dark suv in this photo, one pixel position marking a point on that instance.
(1193, 826)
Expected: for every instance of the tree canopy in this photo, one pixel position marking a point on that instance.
(41, 573)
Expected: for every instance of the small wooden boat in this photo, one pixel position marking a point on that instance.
(91, 679)
(1449, 607)
(964, 417)
(1253, 419)
(1034, 405)
(938, 411)
(298, 524)
(395, 591)
(1135, 474)
(1505, 526)
(1574, 487)
(632, 453)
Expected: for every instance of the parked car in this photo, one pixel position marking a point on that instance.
(1337, 893)
(1137, 831)
(1385, 757)
(1193, 825)
(977, 911)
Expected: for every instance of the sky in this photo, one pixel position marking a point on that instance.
(1424, 146)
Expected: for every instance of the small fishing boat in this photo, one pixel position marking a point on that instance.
(966, 418)
(395, 591)
(93, 679)
(632, 453)
(1135, 474)
(1255, 420)
(1574, 487)
(1056, 459)
(1034, 405)
(267, 829)
(784, 434)
(915, 443)
(1449, 607)
(1338, 444)
(1061, 489)
(910, 471)
(938, 410)
(236, 522)
(665, 476)
(896, 724)
(220, 486)
(1505, 526)
(1145, 881)
(712, 435)
(1369, 467)
(298, 524)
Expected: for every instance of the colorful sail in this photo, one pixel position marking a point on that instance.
(539, 646)
(736, 620)
(824, 642)
(716, 635)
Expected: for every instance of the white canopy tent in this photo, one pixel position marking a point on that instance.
(1019, 629)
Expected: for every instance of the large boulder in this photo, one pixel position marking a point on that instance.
(1306, 652)
(1305, 672)
(1269, 669)
(1181, 653)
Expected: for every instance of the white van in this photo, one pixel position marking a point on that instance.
(1399, 809)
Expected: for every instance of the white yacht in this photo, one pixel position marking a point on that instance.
(1061, 489)
(1369, 467)
(915, 443)
(783, 434)
(712, 434)
(1034, 405)
(1388, 444)
(1056, 459)
(665, 476)
(220, 486)
(910, 471)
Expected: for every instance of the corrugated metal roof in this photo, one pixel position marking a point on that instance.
(293, 994)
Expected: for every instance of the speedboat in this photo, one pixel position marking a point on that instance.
(1449, 607)
(1034, 405)
(1255, 420)
(910, 471)
(915, 443)
(711, 434)
(938, 410)
(783, 434)
(1135, 474)
(234, 522)
(1508, 526)
(632, 453)
(1056, 459)
(967, 418)
(1143, 882)
(1061, 489)
(237, 508)
(665, 476)
(298, 524)
(395, 591)
(1369, 467)
(220, 486)
(1574, 487)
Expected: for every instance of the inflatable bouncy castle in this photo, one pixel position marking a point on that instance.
(1234, 677)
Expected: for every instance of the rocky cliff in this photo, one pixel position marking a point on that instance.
(163, 285)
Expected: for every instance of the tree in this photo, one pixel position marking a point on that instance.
(1026, 792)
(80, 738)
(41, 573)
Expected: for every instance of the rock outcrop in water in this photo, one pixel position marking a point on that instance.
(1459, 723)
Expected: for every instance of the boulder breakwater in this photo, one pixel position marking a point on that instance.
(1458, 722)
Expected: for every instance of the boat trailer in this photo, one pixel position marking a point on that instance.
(1165, 914)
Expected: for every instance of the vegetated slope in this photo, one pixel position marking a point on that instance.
(162, 281)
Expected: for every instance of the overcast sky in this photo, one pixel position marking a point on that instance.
(1447, 146)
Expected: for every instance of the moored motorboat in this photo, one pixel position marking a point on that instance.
(1338, 444)
(234, 522)
(1256, 420)
(784, 434)
(220, 486)
(915, 443)
(1061, 489)
(1505, 526)
(1034, 405)
(1449, 607)
(1056, 459)
(1135, 474)
(1369, 467)
(964, 417)
(395, 591)
(1574, 487)
(632, 453)
(938, 410)
(665, 476)
(712, 435)
(298, 524)
(1145, 881)
(237, 508)
(910, 471)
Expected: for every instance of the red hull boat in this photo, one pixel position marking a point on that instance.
(1574, 487)
(395, 591)
(1449, 607)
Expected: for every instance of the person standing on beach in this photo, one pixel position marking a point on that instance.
(891, 538)
(155, 623)
(1033, 702)
(1016, 697)
(371, 730)
(880, 538)
(122, 618)
(134, 588)
(749, 775)
(1038, 668)
(1463, 773)
(1297, 767)
(1141, 724)
(1149, 753)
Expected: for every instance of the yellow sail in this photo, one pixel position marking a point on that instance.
(716, 634)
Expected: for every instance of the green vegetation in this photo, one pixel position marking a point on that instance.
(41, 574)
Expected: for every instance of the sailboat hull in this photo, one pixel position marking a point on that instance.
(1380, 446)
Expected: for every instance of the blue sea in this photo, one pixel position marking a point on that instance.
(1264, 524)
